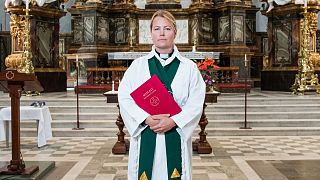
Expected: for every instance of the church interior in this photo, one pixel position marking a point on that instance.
(62, 61)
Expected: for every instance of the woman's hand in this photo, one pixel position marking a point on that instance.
(165, 123)
(154, 120)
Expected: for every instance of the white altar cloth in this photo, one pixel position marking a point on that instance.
(41, 114)
(135, 55)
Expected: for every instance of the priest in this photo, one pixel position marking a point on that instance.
(160, 145)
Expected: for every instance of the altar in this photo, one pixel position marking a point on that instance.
(40, 114)
(102, 79)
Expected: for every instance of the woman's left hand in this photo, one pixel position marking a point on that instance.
(165, 124)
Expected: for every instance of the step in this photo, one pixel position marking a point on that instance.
(261, 107)
(265, 131)
(255, 131)
(263, 115)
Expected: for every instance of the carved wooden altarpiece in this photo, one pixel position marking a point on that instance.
(44, 24)
(284, 43)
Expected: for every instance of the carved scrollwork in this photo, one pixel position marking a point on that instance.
(17, 24)
(13, 61)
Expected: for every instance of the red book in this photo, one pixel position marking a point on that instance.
(153, 97)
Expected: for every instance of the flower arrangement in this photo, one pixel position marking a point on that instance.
(207, 69)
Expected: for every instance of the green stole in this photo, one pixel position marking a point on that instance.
(172, 138)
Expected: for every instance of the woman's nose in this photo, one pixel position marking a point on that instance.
(161, 32)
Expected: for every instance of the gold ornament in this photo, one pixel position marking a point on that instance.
(143, 176)
(175, 173)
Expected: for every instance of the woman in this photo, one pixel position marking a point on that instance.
(160, 146)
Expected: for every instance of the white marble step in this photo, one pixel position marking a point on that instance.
(269, 113)
(212, 124)
(255, 131)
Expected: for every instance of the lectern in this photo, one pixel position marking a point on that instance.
(14, 83)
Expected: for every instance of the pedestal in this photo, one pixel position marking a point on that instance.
(122, 145)
(201, 145)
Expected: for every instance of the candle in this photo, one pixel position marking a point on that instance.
(112, 86)
(305, 3)
(27, 4)
(245, 60)
(131, 33)
(194, 49)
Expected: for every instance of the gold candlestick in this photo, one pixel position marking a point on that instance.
(306, 79)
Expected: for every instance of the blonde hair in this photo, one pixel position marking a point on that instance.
(167, 15)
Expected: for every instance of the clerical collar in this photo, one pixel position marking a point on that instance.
(164, 56)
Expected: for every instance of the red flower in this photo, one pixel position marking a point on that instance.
(207, 69)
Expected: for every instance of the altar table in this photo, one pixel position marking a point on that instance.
(40, 114)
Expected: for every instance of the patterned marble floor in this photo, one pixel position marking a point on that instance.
(234, 158)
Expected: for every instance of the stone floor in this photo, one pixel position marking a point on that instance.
(233, 157)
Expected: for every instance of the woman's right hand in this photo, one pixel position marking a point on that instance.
(154, 119)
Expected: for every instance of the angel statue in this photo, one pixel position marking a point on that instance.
(282, 2)
(39, 2)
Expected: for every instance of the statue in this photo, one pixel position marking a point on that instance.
(282, 2)
(39, 2)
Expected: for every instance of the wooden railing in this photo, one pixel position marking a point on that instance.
(100, 76)
(227, 75)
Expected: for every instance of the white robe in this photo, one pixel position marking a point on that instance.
(188, 91)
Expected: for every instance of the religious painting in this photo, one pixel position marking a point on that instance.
(207, 30)
(237, 29)
(249, 30)
(44, 49)
(182, 32)
(144, 32)
(120, 31)
(88, 29)
(103, 30)
(224, 29)
(77, 30)
(145, 35)
(282, 43)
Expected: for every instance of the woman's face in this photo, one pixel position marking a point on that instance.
(162, 34)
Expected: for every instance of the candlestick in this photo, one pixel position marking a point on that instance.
(77, 60)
